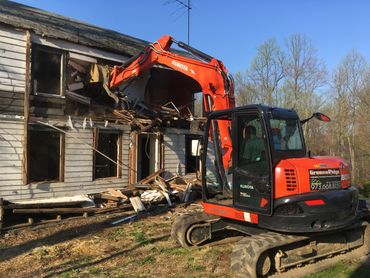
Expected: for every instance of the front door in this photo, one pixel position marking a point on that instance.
(252, 188)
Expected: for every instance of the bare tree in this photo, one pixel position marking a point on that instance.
(351, 81)
(244, 90)
(267, 70)
(305, 72)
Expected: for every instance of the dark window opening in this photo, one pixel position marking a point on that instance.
(47, 71)
(107, 143)
(146, 155)
(45, 159)
(192, 153)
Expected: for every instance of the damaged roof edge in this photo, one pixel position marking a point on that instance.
(52, 25)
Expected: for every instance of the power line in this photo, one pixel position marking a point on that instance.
(183, 4)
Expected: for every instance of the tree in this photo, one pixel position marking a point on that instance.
(267, 70)
(305, 74)
(351, 81)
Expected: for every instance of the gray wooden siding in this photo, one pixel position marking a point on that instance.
(12, 70)
(77, 172)
(11, 157)
(174, 152)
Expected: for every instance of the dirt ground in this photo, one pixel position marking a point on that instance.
(93, 247)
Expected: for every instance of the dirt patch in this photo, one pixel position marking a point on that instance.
(94, 248)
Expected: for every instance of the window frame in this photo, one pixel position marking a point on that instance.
(61, 155)
(63, 59)
(119, 134)
(236, 122)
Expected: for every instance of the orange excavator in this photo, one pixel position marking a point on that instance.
(258, 178)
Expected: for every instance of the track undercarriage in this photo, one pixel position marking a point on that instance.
(261, 253)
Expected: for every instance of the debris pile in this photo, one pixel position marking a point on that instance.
(157, 188)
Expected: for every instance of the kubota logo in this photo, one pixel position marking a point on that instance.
(179, 65)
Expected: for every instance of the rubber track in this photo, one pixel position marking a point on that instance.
(246, 252)
(245, 255)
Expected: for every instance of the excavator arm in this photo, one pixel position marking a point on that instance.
(210, 73)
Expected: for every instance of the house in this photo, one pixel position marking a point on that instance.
(60, 131)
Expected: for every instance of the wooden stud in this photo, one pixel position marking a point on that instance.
(1, 213)
(95, 145)
(119, 156)
(132, 173)
(62, 141)
(26, 111)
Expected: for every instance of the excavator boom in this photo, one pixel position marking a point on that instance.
(208, 72)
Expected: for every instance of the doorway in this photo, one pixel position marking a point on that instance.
(148, 155)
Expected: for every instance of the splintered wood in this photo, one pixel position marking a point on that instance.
(172, 189)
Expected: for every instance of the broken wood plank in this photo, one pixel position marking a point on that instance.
(1, 213)
(75, 86)
(161, 183)
(77, 97)
(150, 177)
(77, 66)
(137, 204)
(66, 210)
(109, 197)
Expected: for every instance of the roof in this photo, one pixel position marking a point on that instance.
(51, 25)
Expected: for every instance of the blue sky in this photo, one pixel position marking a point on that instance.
(231, 30)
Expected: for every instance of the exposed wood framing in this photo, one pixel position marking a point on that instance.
(119, 156)
(132, 176)
(26, 105)
(62, 156)
(95, 144)
(1, 213)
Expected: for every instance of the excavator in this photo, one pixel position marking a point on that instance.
(258, 179)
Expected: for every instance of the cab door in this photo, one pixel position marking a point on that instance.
(252, 178)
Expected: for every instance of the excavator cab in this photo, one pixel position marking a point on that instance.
(271, 181)
(261, 137)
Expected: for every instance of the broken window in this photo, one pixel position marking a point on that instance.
(47, 71)
(45, 157)
(192, 153)
(108, 143)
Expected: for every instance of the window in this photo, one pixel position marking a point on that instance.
(285, 134)
(47, 71)
(251, 180)
(45, 156)
(108, 143)
(217, 176)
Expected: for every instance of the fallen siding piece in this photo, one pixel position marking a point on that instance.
(137, 204)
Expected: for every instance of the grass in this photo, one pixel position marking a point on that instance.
(140, 237)
(343, 270)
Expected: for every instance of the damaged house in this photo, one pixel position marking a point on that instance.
(61, 132)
